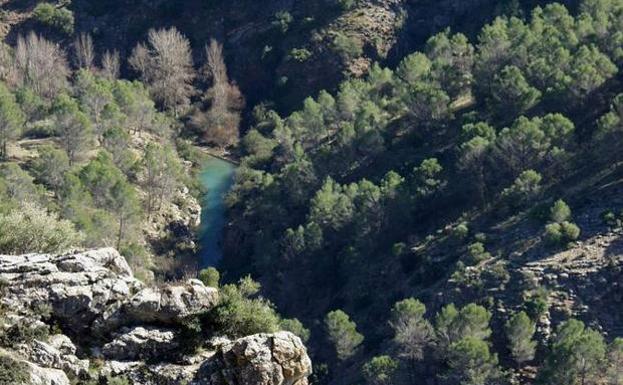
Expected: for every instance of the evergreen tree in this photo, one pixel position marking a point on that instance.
(343, 334)
(519, 331)
(576, 356)
(73, 127)
(11, 119)
(470, 362)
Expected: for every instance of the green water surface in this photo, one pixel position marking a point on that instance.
(217, 178)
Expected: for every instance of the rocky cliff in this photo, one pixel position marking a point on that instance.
(82, 317)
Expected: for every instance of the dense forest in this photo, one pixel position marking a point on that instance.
(427, 191)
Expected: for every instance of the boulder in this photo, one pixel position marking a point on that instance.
(172, 303)
(168, 304)
(261, 359)
(47, 355)
(46, 376)
(141, 343)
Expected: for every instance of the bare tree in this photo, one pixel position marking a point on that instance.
(110, 65)
(220, 122)
(83, 51)
(165, 64)
(40, 65)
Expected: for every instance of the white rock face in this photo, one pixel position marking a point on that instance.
(141, 343)
(131, 328)
(47, 376)
(96, 291)
(78, 287)
(261, 359)
(48, 356)
(168, 304)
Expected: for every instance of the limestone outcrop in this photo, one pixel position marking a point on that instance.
(109, 317)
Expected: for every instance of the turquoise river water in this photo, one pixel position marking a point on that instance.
(217, 177)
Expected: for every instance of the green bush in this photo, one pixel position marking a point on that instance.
(300, 54)
(12, 372)
(346, 5)
(210, 277)
(560, 212)
(524, 189)
(283, 19)
(32, 229)
(497, 274)
(477, 253)
(51, 16)
(380, 370)
(561, 233)
(241, 312)
(537, 303)
(399, 249)
(295, 326)
(349, 47)
(610, 219)
(460, 231)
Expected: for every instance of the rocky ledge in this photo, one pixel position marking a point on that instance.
(108, 323)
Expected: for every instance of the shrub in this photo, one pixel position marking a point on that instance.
(610, 219)
(32, 229)
(561, 233)
(477, 253)
(460, 231)
(537, 303)
(210, 277)
(12, 372)
(497, 274)
(300, 54)
(571, 231)
(283, 19)
(560, 212)
(295, 326)
(241, 312)
(346, 5)
(51, 16)
(380, 370)
(524, 189)
(117, 380)
(349, 47)
(399, 249)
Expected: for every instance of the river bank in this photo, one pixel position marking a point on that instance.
(220, 153)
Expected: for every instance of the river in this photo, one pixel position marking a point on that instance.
(217, 178)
